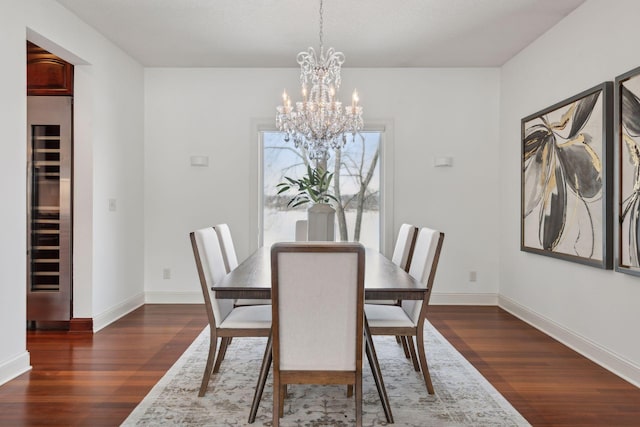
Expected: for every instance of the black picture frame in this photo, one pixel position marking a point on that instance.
(567, 179)
(627, 205)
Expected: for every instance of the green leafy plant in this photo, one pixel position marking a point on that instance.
(312, 188)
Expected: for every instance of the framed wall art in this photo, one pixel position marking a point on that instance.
(567, 152)
(627, 185)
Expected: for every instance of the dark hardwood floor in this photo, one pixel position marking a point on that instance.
(547, 382)
(83, 380)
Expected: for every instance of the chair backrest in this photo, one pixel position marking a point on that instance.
(405, 242)
(226, 244)
(210, 265)
(317, 306)
(301, 231)
(423, 268)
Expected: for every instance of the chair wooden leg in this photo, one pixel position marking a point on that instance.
(370, 351)
(221, 353)
(412, 350)
(283, 394)
(399, 339)
(213, 343)
(423, 360)
(262, 380)
(358, 402)
(405, 347)
(276, 401)
(349, 390)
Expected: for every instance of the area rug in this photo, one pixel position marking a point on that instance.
(462, 397)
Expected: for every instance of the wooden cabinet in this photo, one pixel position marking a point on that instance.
(47, 74)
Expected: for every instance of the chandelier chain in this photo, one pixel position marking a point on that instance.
(321, 26)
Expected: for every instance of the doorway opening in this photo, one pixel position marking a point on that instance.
(49, 189)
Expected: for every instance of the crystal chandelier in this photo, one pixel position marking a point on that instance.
(319, 121)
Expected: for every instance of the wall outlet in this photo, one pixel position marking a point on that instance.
(166, 273)
(473, 276)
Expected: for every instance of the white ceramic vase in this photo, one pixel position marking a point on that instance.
(321, 222)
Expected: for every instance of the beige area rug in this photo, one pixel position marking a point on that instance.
(463, 397)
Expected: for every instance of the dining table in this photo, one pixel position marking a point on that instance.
(384, 280)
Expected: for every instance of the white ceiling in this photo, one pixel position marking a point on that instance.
(371, 33)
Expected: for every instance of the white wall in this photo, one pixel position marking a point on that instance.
(108, 257)
(13, 356)
(593, 310)
(213, 112)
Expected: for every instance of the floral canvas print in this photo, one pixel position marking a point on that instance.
(566, 185)
(628, 157)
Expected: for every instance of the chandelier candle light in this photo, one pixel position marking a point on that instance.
(319, 121)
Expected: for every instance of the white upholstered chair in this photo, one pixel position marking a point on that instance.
(402, 252)
(405, 242)
(402, 255)
(225, 320)
(226, 244)
(408, 318)
(231, 260)
(318, 299)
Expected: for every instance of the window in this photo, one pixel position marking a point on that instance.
(358, 185)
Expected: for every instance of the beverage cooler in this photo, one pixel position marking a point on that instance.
(49, 208)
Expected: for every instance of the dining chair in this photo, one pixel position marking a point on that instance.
(402, 256)
(317, 302)
(225, 320)
(405, 242)
(231, 260)
(408, 318)
(226, 244)
(402, 252)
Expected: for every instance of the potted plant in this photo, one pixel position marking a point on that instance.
(314, 188)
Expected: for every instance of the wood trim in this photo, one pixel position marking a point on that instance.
(317, 377)
(412, 248)
(48, 325)
(81, 324)
(76, 324)
(245, 332)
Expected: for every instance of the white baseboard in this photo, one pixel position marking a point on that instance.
(617, 364)
(173, 298)
(114, 313)
(14, 367)
(463, 299)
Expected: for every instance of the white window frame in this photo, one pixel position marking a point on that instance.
(386, 159)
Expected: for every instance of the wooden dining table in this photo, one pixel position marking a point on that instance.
(384, 280)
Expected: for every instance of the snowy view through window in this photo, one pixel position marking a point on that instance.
(358, 186)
